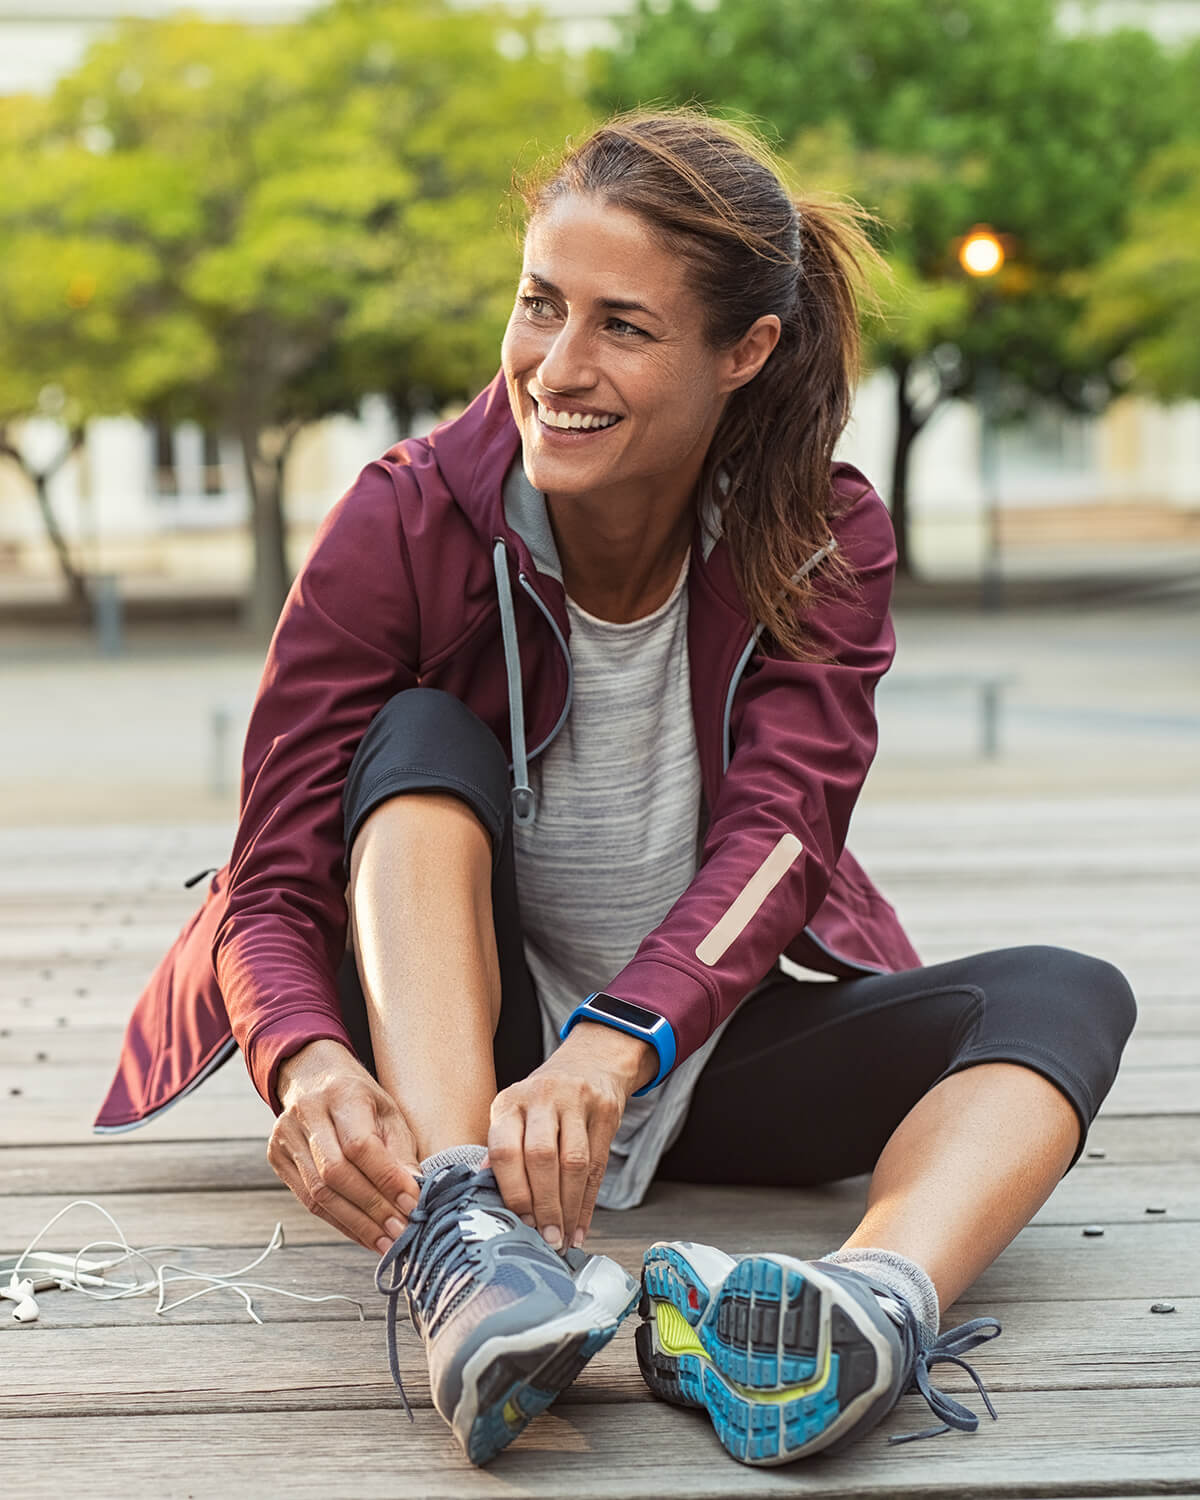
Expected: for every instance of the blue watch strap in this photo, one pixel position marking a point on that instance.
(658, 1033)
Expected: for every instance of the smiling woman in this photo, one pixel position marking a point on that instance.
(554, 758)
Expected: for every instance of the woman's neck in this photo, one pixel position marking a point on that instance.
(620, 562)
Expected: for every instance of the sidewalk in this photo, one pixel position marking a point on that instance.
(1104, 699)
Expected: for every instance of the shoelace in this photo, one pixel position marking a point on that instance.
(947, 1348)
(430, 1261)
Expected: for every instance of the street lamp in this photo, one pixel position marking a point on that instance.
(981, 254)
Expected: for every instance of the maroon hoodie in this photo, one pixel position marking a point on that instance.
(399, 589)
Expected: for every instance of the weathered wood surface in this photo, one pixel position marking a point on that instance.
(1097, 1394)
(172, 1367)
(1049, 1443)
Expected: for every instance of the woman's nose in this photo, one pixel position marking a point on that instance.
(566, 365)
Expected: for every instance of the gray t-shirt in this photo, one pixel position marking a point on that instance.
(614, 844)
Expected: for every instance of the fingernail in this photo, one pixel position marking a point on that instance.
(406, 1203)
(577, 1238)
(552, 1236)
(394, 1227)
(383, 1245)
(528, 1220)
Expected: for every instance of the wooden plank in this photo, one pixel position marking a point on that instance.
(1155, 1091)
(1046, 1269)
(312, 1270)
(1146, 1138)
(77, 1044)
(133, 1163)
(55, 1104)
(139, 1163)
(1047, 1443)
(1153, 1258)
(1104, 1192)
(330, 1366)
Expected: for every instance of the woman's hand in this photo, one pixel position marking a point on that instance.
(343, 1147)
(550, 1133)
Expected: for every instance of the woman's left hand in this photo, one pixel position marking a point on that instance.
(550, 1134)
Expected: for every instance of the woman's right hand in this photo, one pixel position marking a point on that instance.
(342, 1145)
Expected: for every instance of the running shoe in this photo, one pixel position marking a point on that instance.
(507, 1324)
(789, 1357)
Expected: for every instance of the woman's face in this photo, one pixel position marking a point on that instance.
(609, 376)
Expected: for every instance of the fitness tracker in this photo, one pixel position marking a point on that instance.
(611, 1010)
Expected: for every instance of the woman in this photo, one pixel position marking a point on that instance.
(630, 573)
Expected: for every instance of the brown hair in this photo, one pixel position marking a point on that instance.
(713, 192)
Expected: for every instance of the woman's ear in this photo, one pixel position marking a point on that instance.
(747, 357)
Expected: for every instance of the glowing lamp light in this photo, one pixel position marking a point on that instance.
(981, 253)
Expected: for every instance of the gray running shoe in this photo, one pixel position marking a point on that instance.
(789, 1357)
(507, 1323)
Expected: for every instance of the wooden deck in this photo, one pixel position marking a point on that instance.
(1096, 1394)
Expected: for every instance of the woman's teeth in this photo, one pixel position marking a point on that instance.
(576, 421)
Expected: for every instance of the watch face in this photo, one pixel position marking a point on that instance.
(625, 1010)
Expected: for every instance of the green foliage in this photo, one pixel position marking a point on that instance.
(253, 227)
(1146, 295)
(938, 117)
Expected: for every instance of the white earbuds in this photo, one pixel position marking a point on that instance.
(21, 1292)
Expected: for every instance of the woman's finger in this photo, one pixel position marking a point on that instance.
(587, 1208)
(336, 1190)
(542, 1169)
(506, 1157)
(574, 1162)
(375, 1179)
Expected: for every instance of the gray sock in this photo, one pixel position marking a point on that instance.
(469, 1156)
(900, 1275)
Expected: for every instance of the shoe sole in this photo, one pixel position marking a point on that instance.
(508, 1381)
(783, 1358)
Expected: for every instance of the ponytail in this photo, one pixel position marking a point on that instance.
(776, 439)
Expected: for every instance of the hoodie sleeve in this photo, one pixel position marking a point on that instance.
(346, 642)
(804, 737)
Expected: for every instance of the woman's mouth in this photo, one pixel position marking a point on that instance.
(574, 421)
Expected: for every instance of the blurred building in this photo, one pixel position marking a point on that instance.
(168, 505)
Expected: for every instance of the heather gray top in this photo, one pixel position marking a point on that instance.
(615, 842)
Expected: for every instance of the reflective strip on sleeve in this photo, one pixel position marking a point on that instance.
(714, 946)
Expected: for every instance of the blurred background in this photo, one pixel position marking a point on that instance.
(245, 249)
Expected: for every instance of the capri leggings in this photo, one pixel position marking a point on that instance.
(810, 1078)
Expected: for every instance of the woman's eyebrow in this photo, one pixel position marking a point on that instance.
(610, 304)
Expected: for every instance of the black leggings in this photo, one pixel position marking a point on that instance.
(810, 1078)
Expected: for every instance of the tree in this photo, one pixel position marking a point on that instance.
(315, 213)
(64, 297)
(943, 115)
(1146, 295)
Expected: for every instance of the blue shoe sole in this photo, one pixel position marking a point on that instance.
(782, 1368)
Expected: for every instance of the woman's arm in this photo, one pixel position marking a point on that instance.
(804, 737)
(347, 641)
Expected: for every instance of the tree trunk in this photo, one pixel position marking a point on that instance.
(907, 428)
(271, 577)
(74, 579)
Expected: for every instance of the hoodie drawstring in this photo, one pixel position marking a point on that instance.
(523, 800)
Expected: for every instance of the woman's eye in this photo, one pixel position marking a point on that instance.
(619, 325)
